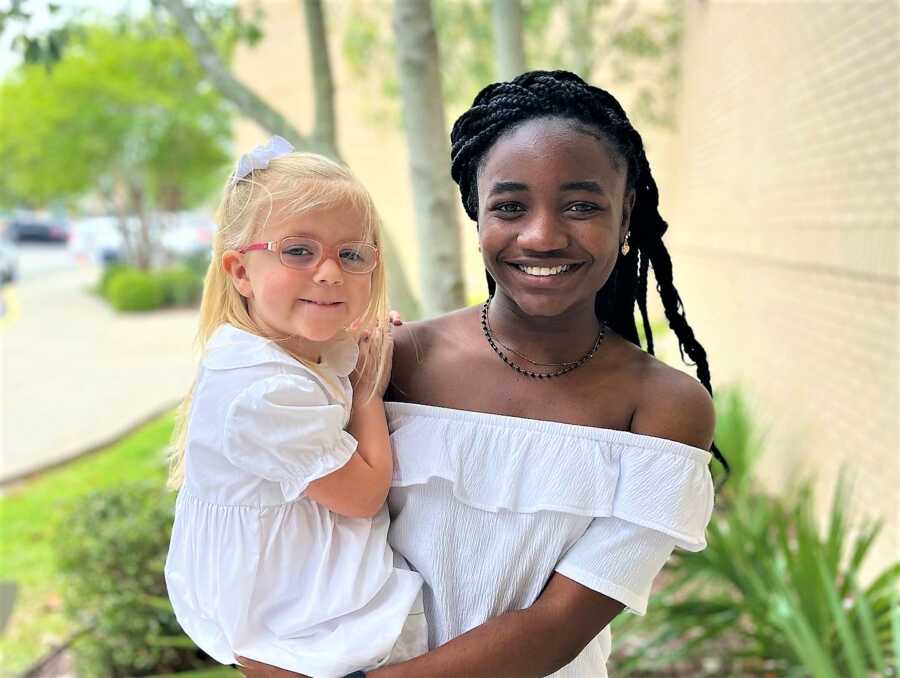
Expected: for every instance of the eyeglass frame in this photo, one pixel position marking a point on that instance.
(332, 252)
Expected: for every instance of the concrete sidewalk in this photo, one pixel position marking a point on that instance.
(76, 375)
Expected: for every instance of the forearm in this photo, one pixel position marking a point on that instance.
(368, 425)
(517, 644)
(358, 489)
(536, 641)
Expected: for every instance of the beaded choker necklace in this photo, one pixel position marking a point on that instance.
(565, 368)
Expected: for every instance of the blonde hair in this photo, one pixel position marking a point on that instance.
(291, 184)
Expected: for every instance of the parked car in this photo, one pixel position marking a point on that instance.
(188, 234)
(9, 260)
(36, 229)
(97, 240)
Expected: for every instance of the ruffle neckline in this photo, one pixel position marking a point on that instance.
(500, 463)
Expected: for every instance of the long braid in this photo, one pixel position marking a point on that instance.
(500, 108)
(643, 265)
(622, 320)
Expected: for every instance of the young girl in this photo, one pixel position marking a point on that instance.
(279, 550)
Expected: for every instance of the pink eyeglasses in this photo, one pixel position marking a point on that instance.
(305, 253)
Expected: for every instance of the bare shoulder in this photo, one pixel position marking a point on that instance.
(418, 345)
(673, 405)
(414, 340)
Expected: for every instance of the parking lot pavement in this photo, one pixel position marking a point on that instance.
(75, 375)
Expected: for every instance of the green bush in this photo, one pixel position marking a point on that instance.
(109, 272)
(180, 286)
(133, 290)
(111, 549)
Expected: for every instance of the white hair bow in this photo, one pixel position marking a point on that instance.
(259, 157)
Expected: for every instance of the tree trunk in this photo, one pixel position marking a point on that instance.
(324, 128)
(325, 133)
(143, 244)
(429, 154)
(400, 296)
(581, 36)
(509, 53)
(121, 208)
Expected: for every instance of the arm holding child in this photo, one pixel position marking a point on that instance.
(359, 488)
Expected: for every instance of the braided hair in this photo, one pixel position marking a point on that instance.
(501, 107)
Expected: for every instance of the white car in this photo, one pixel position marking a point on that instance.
(96, 240)
(187, 233)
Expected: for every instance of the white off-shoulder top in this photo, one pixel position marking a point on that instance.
(255, 568)
(486, 507)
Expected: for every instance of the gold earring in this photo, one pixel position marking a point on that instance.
(626, 248)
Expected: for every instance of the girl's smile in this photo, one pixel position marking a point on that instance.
(547, 274)
(324, 305)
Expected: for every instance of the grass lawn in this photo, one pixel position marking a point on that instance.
(30, 513)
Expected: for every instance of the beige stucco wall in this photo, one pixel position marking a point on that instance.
(784, 197)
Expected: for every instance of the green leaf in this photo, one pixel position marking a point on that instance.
(895, 626)
(867, 624)
(849, 644)
(862, 543)
(803, 640)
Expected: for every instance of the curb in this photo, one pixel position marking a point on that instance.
(25, 476)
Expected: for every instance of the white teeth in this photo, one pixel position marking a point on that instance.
(543, 270)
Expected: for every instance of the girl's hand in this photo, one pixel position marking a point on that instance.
(365, 378)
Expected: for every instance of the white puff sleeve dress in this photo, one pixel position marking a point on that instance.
(257, 569)
(486, 507)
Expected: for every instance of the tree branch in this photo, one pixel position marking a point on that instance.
(245, 99)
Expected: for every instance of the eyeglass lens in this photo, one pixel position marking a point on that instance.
(354, 257)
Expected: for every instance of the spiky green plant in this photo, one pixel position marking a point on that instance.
(773, 593)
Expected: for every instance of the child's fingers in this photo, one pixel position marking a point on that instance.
(394, 318)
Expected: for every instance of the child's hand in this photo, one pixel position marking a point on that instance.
(377, 340)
